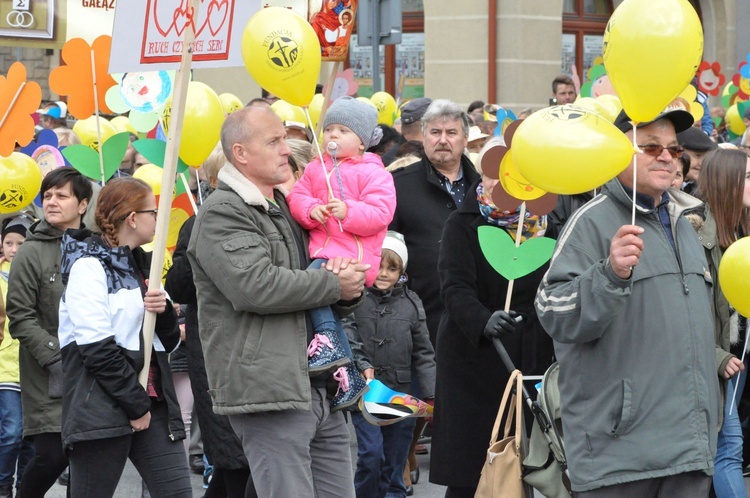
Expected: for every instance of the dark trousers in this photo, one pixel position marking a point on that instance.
(96, 465)
(43, 470)
(231, 483)
(381, 456)
(686, 485)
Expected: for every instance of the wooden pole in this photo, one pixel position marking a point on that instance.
(182, 78)
(519, 234)
(327, 97)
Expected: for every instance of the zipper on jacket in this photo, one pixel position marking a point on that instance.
(676, 252)
(171, 436)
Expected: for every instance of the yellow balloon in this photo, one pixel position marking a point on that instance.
(86, 131)
(230, 102)
(316, 105)
(591, 104)
(612, 106)
(367, 101)
(733, 270)
(514, 183)
(122, 124)
(734, 121)
(289, 112)
(151, 174)
(282, 53)
(652, 49)
(20, 180)
(201, 125)
(386, 106)
(569, 150)
(149, 247)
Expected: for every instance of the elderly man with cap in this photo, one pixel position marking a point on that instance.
(628, 307)
(696, 144)
(411, 124)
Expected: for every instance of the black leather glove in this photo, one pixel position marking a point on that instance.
(500, 324)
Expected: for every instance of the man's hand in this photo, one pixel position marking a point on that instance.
(337, 208)
(352, 279)
(625, 250)
(734, 366)
(320, 214)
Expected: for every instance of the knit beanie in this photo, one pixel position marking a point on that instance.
(18, 224)
(395, 242)
(359, 117)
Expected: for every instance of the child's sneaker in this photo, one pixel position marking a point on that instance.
(325, 353)
(351, 387)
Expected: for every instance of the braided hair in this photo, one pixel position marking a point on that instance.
(117, 199)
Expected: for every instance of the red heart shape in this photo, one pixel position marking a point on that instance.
(217, 15)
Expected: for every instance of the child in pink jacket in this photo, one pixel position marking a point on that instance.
(346, 204)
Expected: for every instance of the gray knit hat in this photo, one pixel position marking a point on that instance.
(359, 117)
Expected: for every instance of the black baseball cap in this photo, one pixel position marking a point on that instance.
(414, 109)
(680, 118)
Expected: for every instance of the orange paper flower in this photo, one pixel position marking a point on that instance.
(18, 101)
(76, 78)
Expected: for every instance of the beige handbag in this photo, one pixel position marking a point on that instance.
(501, 474)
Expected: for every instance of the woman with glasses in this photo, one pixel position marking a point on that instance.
(724, 186)
(108, 417)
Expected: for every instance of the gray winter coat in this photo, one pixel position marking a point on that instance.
(638, 375)
(252, 293)
(391, 325)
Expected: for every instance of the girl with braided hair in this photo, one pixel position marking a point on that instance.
(107, 415)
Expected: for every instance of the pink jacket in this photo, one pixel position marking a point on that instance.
(370, 199)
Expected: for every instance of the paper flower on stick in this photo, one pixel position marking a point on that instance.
(86, 160)
(742, 81)
(19, 99)
(78, 76)
(509, 259)
(597, 82)
(710, 79)
(46, 152)
(143, 95)
(343, 84)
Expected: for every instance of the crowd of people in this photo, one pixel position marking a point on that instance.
(303, 278)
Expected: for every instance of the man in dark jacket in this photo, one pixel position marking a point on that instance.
(427, 192)
(248, 258)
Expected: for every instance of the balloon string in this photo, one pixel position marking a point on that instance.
(12, 103)
(635, 169)
(322, 162)
(200, 194)
(737, 382)
(98, 127)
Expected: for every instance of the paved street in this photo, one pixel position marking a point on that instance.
(130, 483)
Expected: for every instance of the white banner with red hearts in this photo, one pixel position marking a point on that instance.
(148, 34)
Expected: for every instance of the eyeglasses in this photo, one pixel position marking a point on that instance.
(152, 211)
(655, 150)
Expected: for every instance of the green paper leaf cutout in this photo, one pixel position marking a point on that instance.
(86, 160)
(508, 260)
(154, 150)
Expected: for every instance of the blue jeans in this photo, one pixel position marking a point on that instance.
(14, 452)
(728, 480)
(381, 456)
(324, 318)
